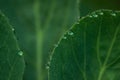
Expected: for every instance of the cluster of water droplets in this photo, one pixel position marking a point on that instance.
(100, 13)
(47, 65)
(70, 33)
(113, 14)
(93, 15)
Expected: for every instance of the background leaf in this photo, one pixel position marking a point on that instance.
(11, 58)
(90, 50)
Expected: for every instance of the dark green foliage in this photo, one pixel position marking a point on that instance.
(11, 58)
(88, 6)
(90, 50)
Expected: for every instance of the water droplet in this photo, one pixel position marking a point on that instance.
(90, 16)
(20, 53)
(70, 33)
(13, 29)
(47, 67)
(95, 15)
(55, 45)
(113, 14)
(101, 13)
(64, 37)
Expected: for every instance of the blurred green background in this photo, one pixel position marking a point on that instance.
(39, 24)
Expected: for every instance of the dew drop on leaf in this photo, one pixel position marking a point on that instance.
(13, 29)
(20, 53)
(90, 16)
(55, 45)
(64, 37)
(95, 15)
(101, 13)
(113, 14)
(47, 67)
(70, 33)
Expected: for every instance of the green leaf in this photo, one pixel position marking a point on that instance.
(11, 58)
(90, 50)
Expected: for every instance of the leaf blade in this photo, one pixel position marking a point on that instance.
(11, 62)
(96, 45)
